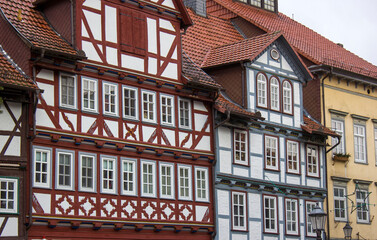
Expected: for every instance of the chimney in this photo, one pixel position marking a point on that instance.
(199, 6)
(340, 44)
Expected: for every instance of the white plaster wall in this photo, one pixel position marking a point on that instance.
(7, 122)
(274, 63)
(165, 24)
(255, 228)
(90, 51)
(313, 182)
(287, 121)
(223, 204)
(132, 62)
(11, 228)
(264, 114)
(111, 24)
(297, 114)
(240, 171)
(71, 117)
(200, 106)
(147, 132)
(168, 3)
(170, 135)
(14, 148)
(152, 65)
(296, 93)
(285, 64)
(42, 119)
(46, 74)
(166, 41)
(113, 126)
(86, 123)
(275, 117)
(272, 176)
(112, 56)
(256, 167)
(48, 94)
(182, 136)
(95, 24)
(152, 35)
(199, 212)
(223, 229)
(293, 179)
(200, 120)
(256, 143)
(239, 236)
(45, 202)
(254, 205)
(225, 161)
(204, 144)
(251, 81)
(263, 58)
(224, 137)
(252, 103)
(96, 4)
(171, 71)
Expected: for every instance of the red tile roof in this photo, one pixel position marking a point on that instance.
(34, 28)
(246, 49)
(224, 104)
(207, 33)
(311, 126)
(195, 74)
(307, 42)
(11, 75)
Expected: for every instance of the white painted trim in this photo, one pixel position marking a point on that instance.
(134, 176)
(147, 119)
(171, 123)
(172, 179)
(65, 105)
(244, 213)
(94, 173)
(114, 169)
(154, 178)
(206, 180)
(189, 114)
(116, 101)
(90, 80)
(136, 117)
(49, 166)
(72, 169)
(15, 194)
(180, 197)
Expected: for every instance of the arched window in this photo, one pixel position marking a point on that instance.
(274, 91)
(287, 97)
(262, 90)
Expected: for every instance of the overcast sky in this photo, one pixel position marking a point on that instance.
(352, 23)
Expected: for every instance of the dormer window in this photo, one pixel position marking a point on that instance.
(269, 5)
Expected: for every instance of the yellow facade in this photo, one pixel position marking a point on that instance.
(352, 104)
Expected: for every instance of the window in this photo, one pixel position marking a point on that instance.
(291, 216)
(42, 168)
(148, 183)
(8, 195)
(129, 102)
(149, 106)
(309, 229)
(110, 99)
(287, 97)
(256, 2)
(240, 147)
(239, 211)
(359, 141)
(89, 94)
(312, 161)
(87, 172)
(274, 94)
(340, 213)
(269, 5)
(184, 113)
(167, 109)
(67, 91)
(65, 163)
(293, 163)
(270, 214)
(201, 178)
(129, 177)
(167, 180)
(184, 182)
(362, 206)
(271, 152)
(108, 175)
(262, 90)
(338, 127)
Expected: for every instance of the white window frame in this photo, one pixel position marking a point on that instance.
(359, 136)
(238, 146)
(67, 105)
(339, 200)
(189, 182)
(273, 218)
(11, 195)
(291, 216)
(135, 100)
(287, 97)
(94, 172)
(153, 178)
(239, 212)
(112, 159)
(275, 94)
(188, 126)
(47, 151)
(163, 182)
(262, 90)
(115, 95)
(309, 229)
(151, 106)
(267, 140)
(71, 154)
(201, 184)
(311, 164)
(133, 179)
(360, 201)
(338, 127)
(269, 5)
(95, 91)
(165, 108)
(290, 156)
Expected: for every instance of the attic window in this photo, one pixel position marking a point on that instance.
(275, 54)
(269, 5)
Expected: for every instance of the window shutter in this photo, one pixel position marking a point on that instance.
(126, 30)
(133, 31)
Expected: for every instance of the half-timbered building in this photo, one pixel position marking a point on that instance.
(270, 168)
(123, 142)
(17, 92)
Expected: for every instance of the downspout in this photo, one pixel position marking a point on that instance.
(324, 124)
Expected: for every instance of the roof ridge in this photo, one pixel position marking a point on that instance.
(12, 62)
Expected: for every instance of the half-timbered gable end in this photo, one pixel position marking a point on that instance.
(270, 167)
(16, 95)
(124, 132)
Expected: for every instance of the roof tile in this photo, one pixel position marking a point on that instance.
(311, 126)
(224, 104)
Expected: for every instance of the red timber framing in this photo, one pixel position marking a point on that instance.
(122, 150)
